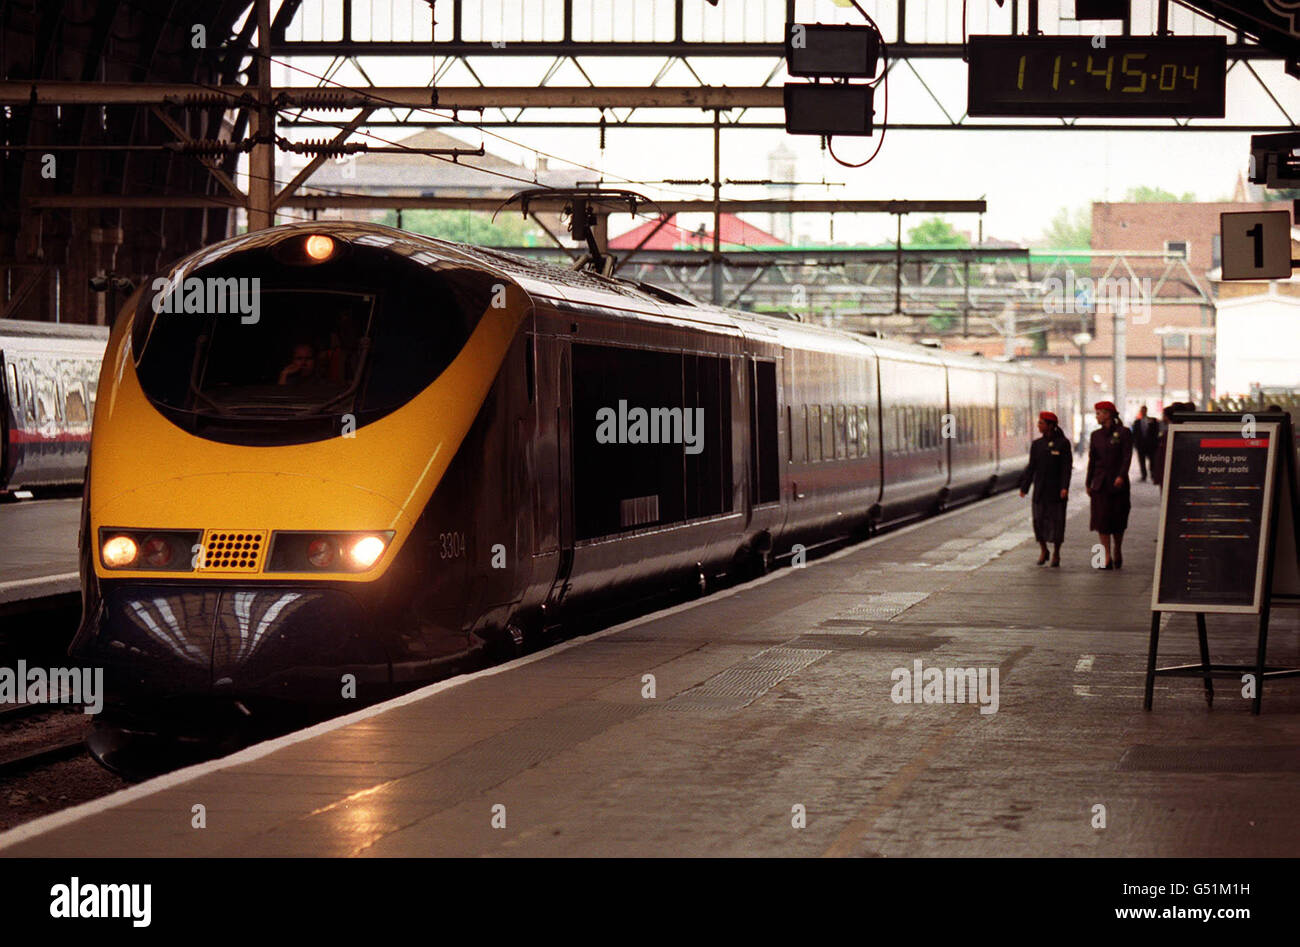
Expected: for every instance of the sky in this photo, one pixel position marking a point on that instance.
(1026, 177)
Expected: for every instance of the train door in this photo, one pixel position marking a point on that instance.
(558, 404)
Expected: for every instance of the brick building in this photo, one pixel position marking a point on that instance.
(1187, 234)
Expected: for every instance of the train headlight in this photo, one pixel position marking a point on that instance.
(313, 552)
(152, 550)
(119, 552)
(319, 247)
(365, 552)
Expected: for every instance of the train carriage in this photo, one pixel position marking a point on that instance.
(48, 387)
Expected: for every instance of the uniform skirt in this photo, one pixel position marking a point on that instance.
(1049, 521)
(1109, 511)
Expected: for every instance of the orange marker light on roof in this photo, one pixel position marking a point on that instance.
(319, 247)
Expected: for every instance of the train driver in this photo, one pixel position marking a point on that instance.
(301, 367)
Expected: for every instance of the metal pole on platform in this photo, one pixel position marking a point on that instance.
(1081, 340)
(1120, 367)
(715, 265)
(1160, 372)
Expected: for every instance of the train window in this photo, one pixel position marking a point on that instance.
(828, 432)
(45, 411)
(765, 484)
(841, 435)
(798, 433)
(361, 335)
(864, 448)
(29, 398)
(909, 428)
(15, 390)
(74, 404)
(623, 478)
(706, 381)
(814, 432)
(852, 430)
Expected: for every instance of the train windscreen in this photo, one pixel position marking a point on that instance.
(282, 355)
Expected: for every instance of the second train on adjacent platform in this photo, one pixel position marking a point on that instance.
(419, 448)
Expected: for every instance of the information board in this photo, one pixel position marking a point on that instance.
(1214, 517)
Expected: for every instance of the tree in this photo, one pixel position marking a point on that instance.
(936, 232)
(1069, 230)
(1149, 195)
(463, 226)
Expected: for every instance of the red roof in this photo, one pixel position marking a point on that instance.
(672, 237)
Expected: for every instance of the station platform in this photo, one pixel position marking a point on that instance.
(774, 703)
(38, 549)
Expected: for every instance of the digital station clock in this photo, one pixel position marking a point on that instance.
(1067, 76)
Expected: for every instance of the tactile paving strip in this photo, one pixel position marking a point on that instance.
(741, 685)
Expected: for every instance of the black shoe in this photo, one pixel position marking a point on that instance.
(1056, 562)
(1108, 566)
(1119, 562)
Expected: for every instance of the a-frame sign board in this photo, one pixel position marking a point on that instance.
(1228, 534)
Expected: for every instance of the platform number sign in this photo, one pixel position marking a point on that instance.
(1256, 245)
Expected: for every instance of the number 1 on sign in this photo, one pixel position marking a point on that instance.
(1257, 232)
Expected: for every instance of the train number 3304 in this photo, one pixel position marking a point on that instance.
(451, 545)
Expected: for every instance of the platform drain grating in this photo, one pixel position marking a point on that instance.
(741, 685)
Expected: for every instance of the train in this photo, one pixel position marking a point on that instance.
(405, 451)
(49, 378)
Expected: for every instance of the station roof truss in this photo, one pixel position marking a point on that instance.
(149, 128)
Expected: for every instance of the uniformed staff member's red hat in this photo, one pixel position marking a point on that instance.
(1047, 416)
(1108, 405)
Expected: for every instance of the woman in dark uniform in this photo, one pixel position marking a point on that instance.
(1110, 454)
(1049, 473)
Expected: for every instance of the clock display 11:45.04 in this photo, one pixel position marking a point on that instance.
(1133, 70)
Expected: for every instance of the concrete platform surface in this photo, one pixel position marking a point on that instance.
(773, 729)
(38, 548)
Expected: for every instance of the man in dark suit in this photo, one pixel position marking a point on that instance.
(1146, 435)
